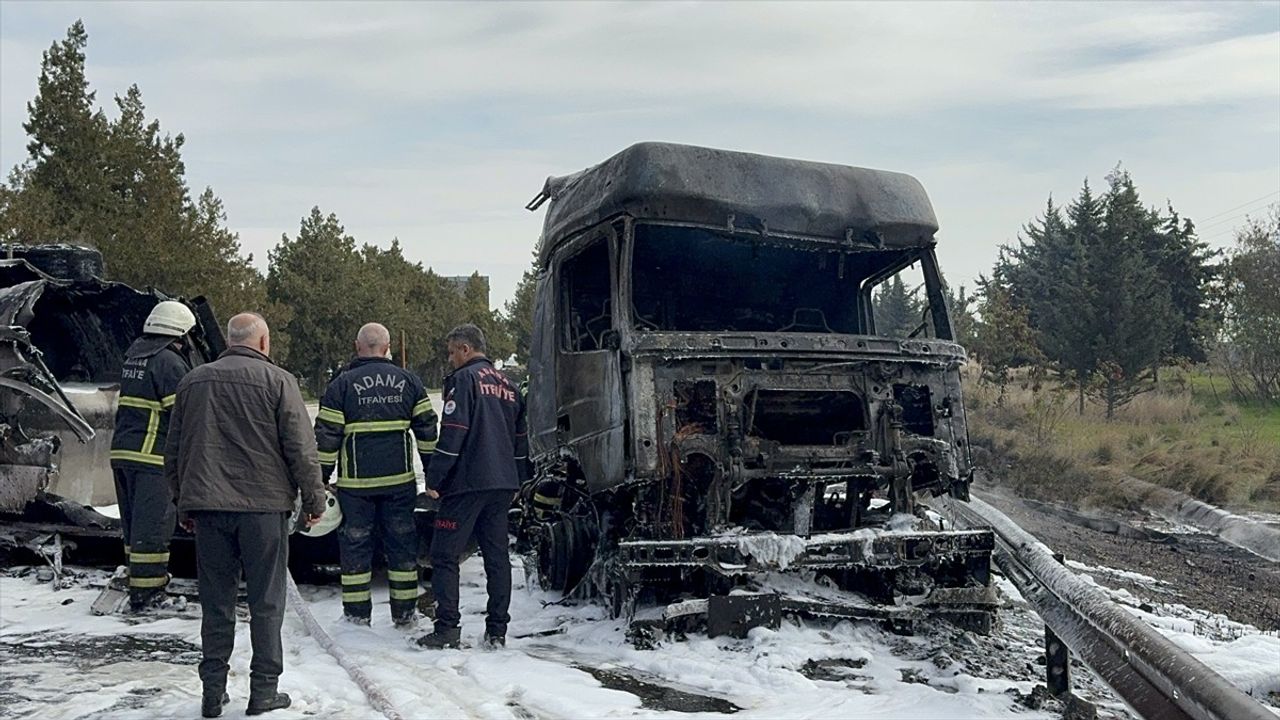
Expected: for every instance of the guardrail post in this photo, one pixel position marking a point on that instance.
(1057, 664)
(1057, 656)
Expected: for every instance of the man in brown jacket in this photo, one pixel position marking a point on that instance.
(240, 448)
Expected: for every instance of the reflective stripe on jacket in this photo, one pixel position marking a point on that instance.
(373, 417)
(148, 383)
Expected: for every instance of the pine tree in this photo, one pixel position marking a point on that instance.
(1068, 326)
(896, 311)
(1133, 310)
(321, 276)
(1191, 270)
(1003, 336)
(517, 314)
(121, 187)
(59, 194)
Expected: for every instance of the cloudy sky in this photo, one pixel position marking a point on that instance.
(436, 123)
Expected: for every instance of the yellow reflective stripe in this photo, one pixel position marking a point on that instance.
(357, 579)
(361, 596)
(137, 457)
(126, 551)
(349, 482)
(149, 581)
(375, 426)
(403, 575)
(167, 401)
(328, 458)
(426, 446)
(137, 402)
(148, 557)
(409, 594)
(153, 427)
(330, 415)
(423, 406)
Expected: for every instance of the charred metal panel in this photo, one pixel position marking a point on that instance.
(542, 399)
(60, 333)
(722, 188)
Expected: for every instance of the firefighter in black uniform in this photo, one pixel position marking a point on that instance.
(372, 419)
(477, 468)
(153, 365)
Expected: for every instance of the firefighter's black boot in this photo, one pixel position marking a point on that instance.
(277, 702)
(211, 705)
(441, 638)
(494, 641)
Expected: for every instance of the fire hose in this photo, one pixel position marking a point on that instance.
(377, 698)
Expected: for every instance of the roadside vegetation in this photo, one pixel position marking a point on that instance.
(1187, 435)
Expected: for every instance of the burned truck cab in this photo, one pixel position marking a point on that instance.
(711, 399)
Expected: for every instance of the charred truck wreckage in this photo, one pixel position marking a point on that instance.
(711, 404)
(63, 336)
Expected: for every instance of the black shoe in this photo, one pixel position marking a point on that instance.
(405, 622)
(142, 601)
(494, 641)
(441, 638)
(356, 619)
(211, 706)
(278, 702)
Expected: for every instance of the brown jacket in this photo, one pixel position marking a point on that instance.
(240, 439)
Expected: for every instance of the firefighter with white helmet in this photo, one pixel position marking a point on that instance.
(153, 365)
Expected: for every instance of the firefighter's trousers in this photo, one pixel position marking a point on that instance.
(386, 515)
(147, 518)
(481, 514)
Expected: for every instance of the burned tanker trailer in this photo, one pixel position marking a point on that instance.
(64, 331)
(719, 427)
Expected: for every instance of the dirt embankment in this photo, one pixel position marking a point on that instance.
(1195, 569)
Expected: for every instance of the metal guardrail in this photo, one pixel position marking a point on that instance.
(1156, 678)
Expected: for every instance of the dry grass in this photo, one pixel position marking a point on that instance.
(1223, 454)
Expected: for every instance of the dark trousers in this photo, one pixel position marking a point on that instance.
(147, 518)
(484, 515)
(228, 543)
(386, 515)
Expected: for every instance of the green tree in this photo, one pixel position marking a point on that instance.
(1068, 324)
(1003, 337)
(59, 194)
(320, 276)
(1251, 337)
(1133, 313)
(896, 310)
(121, 187)
(517, 314)
(960, 306)
(1192, 270)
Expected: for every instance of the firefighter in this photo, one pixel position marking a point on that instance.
(153, 365)
(479, 465)
(373, 417)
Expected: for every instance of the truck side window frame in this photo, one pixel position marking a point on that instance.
(582, 329)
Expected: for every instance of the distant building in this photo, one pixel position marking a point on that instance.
(459, 284)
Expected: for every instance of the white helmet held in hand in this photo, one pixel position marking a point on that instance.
(171, 318)
(329, 521)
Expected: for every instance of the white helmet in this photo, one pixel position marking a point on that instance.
(329, 521)
(169, 318)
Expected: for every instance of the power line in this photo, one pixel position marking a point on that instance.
(1219, 223)
(1224, 212)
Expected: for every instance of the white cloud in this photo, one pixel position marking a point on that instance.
(436, 122)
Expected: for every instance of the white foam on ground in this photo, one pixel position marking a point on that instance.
(534, 676)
